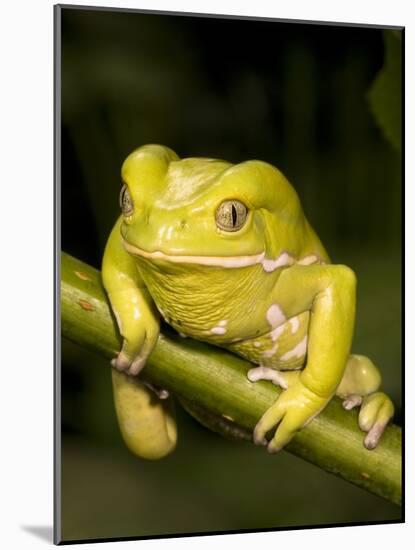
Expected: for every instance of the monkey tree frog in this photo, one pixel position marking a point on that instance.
(225, 254)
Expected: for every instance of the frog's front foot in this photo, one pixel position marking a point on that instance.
(293, 410)
(123, 364)
(376, 411)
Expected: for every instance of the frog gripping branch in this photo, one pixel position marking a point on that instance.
(224, 254)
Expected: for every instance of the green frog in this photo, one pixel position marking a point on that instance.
(224, 254)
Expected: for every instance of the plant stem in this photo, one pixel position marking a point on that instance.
(215, 381)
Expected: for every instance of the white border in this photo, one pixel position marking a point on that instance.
(26, 266)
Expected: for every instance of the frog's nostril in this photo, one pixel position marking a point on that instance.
(183, 224)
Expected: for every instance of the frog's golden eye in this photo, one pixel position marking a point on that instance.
(231, 215)
(126, 202)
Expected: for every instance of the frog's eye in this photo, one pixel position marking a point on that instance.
(126, 202)
(231, 215)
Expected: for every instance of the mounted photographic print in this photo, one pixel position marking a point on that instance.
(229, 269)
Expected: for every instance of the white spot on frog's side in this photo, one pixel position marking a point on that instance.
(276, 333)
(257, 344)
(283, 260)
(275, 316)
(295, 324)
(270, 352)
(298, 351)
(218, 330)
(182, 335)
(308, 260)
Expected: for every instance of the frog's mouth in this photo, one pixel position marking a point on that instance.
(214, 261)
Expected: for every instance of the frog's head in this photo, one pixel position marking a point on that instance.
(208, 212)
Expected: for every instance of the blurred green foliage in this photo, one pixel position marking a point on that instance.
(291, 94)
(386, 93)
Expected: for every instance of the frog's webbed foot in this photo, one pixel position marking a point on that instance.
(376, 411)
(135, 352)
(359, 387)
(266, 373)
(295, 408)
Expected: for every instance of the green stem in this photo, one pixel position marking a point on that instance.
(214, 381)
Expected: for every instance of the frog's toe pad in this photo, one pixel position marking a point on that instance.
(376, 411)
(352, 401)
(161, 393)
(374, 435)
(121, 363)
(137, 365)
(266, 373)
(258, 440)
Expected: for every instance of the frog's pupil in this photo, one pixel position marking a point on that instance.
(230, 215)
(234, 215)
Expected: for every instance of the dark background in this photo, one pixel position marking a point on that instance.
(295, 95)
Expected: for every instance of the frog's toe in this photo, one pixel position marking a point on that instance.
(266, 373)
(269, 420)
(352, 401)
(374, 435)
(161, 393)
(137, 365)
(123, 364)
(375, 413)
(286, 430)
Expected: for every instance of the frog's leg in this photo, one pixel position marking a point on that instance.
(359, 386)
(146, 422)
(328, 293)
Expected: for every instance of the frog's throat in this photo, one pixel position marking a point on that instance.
(214, 261)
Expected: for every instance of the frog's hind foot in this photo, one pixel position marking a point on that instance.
(375, 412)
(359, 386)
(352, 401)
